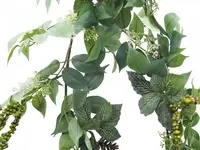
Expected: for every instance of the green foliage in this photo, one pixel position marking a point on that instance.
(65, 142)
(39, 103)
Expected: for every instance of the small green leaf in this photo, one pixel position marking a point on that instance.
(134, 3)
(96, 102)
(87, 67)
(94, 80)
(158, 67)
(115, 63)
(122, 55)
(194, 143)
(39, 103)
(87, 141)
(50, 69)
(123, 18)
(163, 45)
(137, 61)
(74, 79)
(101, 12)
(75, 131)
(177, 61)
(175, 41)
(188, 111)
(67, 104)
(12, 42)
(11, 53)
(25, 48)
(111, 134)
(164, 113)
(139, 83)
(191, 123)
(149, 102)
(61, 125)
(79, 97)
(171, 22)
(65, 142)
(137, 26)
(54, 90)
(48, 4)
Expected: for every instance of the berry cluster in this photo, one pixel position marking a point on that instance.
(16, 110)
(176, 117)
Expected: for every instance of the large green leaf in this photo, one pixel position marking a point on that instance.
(157, 84)
(149, 102)
(171, 22)
(158, 67)
(189, 133)
(194, 143)
(137, 61)
(188, 111)
(137, 26)
(122, 55)
(79, 62)
(163, 45)
(79, 97)
(105, 112)
(177, 60)
(191, 123)
(61, 124)
(139, 83)
(96, 102)
(111, 134)
(39, 103)
(50, 69)
(94, 80)
(65, 142)
(81, 7)
(101, 12)
(175, 41)
(123, 18)
(74, 79)
(164, 113)
(175, 97)
(75, 131)
(54, 90)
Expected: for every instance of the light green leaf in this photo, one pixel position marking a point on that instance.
(74, 79)
(177, 60)
(194, 143)
(149, 102)
(137, 61)
(54, 90)
(65, 142)
(61, 124)
(39, 103)
(48, 4)
(188, 111)
(193, 122)
(134, 3)
(87, 141)
(75, 131)
(67, 104)
(175, 41)
(171, 22)
(11, 53)
(189, 133)
(12, 42)
(137, 26)
(115, 63)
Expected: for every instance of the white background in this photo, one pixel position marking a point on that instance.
(137, 131)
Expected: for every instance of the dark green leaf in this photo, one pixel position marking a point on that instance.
(39, 103)
(164, 113)
(122, 55)
(191, 123)
(194, 143)
(96, 102)
(123, 18)
(189, 133)
(61, 124)
(188, 111)
(65, 142)
(94, 80)
(110, 134)
(135, 3)
(149, 102)
(54, 90)
(101, 12)
(75, 131)
(137, 26)
(81, 7)
(87, 67)
(67, 104)
(105, 112)
(79, 98)
(158, 67)
(174, 98)
(74, 79)
(50, 69)
(157, 84)
(171, 22)
(175, 41)
(177, 61)
(87, 141)
(139, 83)
(163, 45)
(116, 112)
(137, 61)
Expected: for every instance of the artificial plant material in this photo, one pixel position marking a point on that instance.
(148, 54)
